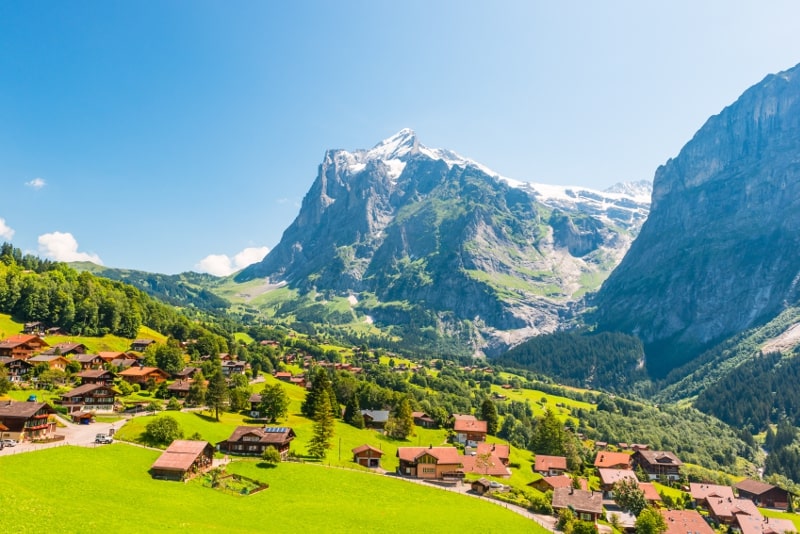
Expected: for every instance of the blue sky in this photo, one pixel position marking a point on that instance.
(151, 135)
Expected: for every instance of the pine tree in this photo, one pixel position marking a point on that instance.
(217, 392)
(401, 422)
(323, 429)
(489, 414)
(549, 435)
(320, 386)
(352, 413)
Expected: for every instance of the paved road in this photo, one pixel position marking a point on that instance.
(82, 435)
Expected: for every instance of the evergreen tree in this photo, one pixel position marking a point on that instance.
(323, 428)
(489, 414)
(549, 435)
(352, 413)
(320, 386)
(401, 422)
(217, 393)
(197, 391)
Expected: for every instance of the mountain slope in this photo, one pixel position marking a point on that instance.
(426, 239)
(719, 252)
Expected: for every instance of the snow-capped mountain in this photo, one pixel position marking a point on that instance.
(426, 237)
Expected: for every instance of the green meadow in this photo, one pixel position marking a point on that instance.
(108, 489)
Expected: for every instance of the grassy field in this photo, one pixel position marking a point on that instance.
(40, 491)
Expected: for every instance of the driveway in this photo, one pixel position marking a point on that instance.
(81, 435)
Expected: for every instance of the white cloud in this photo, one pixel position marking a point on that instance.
(62, 246)
(36, 183)
(223, 265)
(6, 232)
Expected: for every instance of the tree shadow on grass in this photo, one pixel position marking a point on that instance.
(204, 417)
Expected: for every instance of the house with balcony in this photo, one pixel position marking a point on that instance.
(90, 398)
(27, 421)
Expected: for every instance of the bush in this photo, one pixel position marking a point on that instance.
(271, 456)
(162, 431)
(173, 404)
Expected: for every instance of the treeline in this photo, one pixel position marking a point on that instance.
(32, 289)
(759, 392)
(610, 360)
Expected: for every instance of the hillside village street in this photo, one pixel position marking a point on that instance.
(82, 435)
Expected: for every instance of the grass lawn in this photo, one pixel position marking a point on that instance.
(116, 494)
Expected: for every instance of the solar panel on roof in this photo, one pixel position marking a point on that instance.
(276, 429)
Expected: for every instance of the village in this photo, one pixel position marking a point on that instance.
(89, 410)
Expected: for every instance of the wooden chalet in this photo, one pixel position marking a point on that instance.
(481, 486)
(22, 346)
(701, 493)
(90, 398)
(66, 349)
(53, 361)
(27, 421)
(763, 494)
(375, 418)
(609, 477)
(18, 368)
(430, 462)
(545, 484)
(140, 345)
(182, 459)
(142, 375)
(586, 505)
(180, 388)
(231, 367)
(550, 466)
(469, 430)
(89, 361)
(96, 376)
(186, 373)
(252, 441)
(502, 451)
(368, 456)
(612, 460)
(35, 328)
(424, 420)
(658, 464)
(108, 357)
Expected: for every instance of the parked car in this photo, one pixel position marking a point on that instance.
(9, 443)
(103, 438)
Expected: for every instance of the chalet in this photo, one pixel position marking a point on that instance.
(469, 430)
(96, 376)
(701, 493)
(142, 375)
(33, 328)
(299, 380)
(545, 484)
(55, 331)
(226, 357)
(54, 361)
(752, 524)
(255, 401)
(612, 460)
(724, 511)
(230, 368)
(498, 449)
(252, 441)
(27, 421)
(367, 455)
(89, 361)
(481, 486)
(586, 505)
(658, 464)
(108, 357)
(140, 345)
(65, 349)
(430, 462)
(550, 466)
(126, 362)
(22, 346)
(90, 398)
(180, 388)
(186, 373)
(182, 459)
(18, 369)
(651, 494)
(683, 521)
(763, 494)
(283, 376)
(375, 418)
(424, 420)
(609, 477)
(485, 464)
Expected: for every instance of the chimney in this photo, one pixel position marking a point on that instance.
(430, 446)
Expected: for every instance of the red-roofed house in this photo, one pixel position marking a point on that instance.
(469, 430)
(500, 450)
(683, 521)
(430, 462)
(702, 492)
(182, 459)
(609, 477)
(486, 465)
(550, 466)
(612, 460)
(561, 481)
(21, 346)
(726, 510)
(368, 456)
(141, 375)
(650, 492)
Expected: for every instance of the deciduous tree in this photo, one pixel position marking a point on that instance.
(274, 403)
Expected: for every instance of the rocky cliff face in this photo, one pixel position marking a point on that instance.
(438, 241)
(719, 251)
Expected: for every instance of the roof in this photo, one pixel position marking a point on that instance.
(722, 508)
(701, 492)
(755, 487)
(86, 388)
(417, 415)
(180, 455)
(659, 457)
(47, 358)
(94, 373)
(444, 455)
(19, 339)
(578, 500)
(377, 416)
(180, 385)
(365, 448)
(561, 481)
(108, 356)
(612, 476)
(468, 423)
(612, 459)
(493, 466)
(141, 371)
(22, 409)
(546, 463)
(501, 450)
(143, 341)
(268, 434)
(65, 347)
(255, 397)
(482, 482)
(685, 521)
(86, 358)
(772, 525)
(650, 491)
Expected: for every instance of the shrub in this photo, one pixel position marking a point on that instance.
(271, 456)
(162, 431)
(173, 404)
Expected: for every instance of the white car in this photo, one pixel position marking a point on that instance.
(8, 443)
(103, 438)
